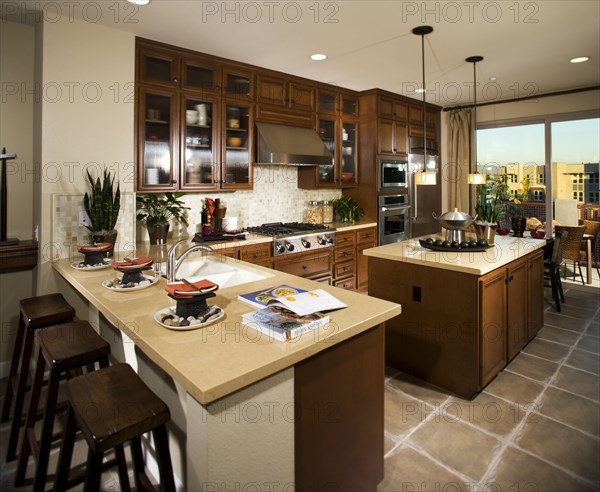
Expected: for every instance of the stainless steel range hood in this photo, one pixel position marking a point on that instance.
(290, 145)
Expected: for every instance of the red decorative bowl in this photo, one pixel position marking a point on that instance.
(503, 231)
(538, 234)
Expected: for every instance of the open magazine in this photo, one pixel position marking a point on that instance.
(298, 301)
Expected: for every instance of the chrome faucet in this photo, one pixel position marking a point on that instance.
(174, 262)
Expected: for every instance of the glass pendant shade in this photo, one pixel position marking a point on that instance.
(476, 179)
(425, 178)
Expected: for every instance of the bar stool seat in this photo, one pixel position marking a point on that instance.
(112, 406)
(65, 349)
(36, 312)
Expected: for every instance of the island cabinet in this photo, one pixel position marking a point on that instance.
(458, 330)
(351, 268)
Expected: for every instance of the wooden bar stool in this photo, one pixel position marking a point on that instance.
(113, 406)
(65, 349)
(36, 312)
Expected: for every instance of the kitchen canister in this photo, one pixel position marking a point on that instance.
(314, 212)
(327, 211)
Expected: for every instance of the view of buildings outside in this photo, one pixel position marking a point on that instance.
(518, 151)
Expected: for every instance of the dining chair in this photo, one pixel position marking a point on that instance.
(572, 247)
(592, 227)
(552, 268)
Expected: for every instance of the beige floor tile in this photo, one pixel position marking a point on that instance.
(514, 388)
(485, 411)
(460, 446)
(578, 382)
(594, 328)
(410, 470)
(546, 350)
(388, 445)
(588, 303)
(572, 410)
(582, 309)
(589, 343)
(418, 389)
(562, 446)
(558, 335)
(533, 367)
(566, 322)
(402, 412)
(585, 361)
(517, 470)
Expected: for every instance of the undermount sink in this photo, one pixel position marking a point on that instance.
(221, 273)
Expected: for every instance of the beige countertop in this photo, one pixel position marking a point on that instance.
(505, 250)
(222, 358)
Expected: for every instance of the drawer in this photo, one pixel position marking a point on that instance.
(306, 264)
(343, 239)
(344, 269)
(366, 235)
(230, 252)
(344, 254)
(346, 283)
(255, 252)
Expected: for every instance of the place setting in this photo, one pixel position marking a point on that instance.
(133, 278)
(191, 310)
(93, 257)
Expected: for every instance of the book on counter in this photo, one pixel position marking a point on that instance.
(299, 301)
(281, 324)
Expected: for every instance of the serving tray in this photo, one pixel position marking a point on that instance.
(472, 249)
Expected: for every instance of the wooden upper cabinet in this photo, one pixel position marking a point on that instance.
(200, 75)
(158, 67)
(395, 110)
(327, 102)
(270, 90)
(392, 137)
(237, 82)
(301, 96)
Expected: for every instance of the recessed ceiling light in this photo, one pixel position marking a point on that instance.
(318, 57)
(579, 59)
(139, 2)
(493, 78)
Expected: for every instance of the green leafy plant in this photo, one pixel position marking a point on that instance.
(159, 209)
(102, 204)
(489, 195)
(347, 208)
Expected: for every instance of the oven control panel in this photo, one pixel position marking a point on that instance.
(306, 242)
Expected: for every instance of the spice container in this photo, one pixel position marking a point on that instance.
(314, 213)
(327, 211)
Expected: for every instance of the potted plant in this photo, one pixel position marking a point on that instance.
(156, 210)
(347, 208)
(487, 209)
(102, 206)
(518, 221)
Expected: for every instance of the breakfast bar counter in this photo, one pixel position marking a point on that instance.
(246, 408)
(465, 314)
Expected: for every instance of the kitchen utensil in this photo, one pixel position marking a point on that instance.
(234, 141)
(455, 223)
(347, 176)
(191, 117)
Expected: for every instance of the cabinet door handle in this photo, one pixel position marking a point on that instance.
(304, 267)
(176, 80)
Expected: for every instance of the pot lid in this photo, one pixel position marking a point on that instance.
(455, 215)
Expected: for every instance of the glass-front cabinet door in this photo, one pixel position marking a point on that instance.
(200, 75)
(157, 152)
(158, 67)
(236, 145)
(198, 163)
(327, 131)
(348, 160)
(237, 83)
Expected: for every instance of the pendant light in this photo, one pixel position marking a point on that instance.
(424, 177)
(475, 178)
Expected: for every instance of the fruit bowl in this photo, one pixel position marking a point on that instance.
(347, 177)
(502, 231)
(540, 234)
(234, 141)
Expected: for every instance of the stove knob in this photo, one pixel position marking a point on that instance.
(289, 246)
(305, 243)
(321, 241)
(280, 248)
(329, 239)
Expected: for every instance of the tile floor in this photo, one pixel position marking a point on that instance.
(535, 427)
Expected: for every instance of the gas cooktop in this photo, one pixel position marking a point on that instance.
(285, 229)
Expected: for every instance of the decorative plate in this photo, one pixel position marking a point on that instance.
(473, 249)
(80, 265)
(94, 248)
(171, 310)
(152, 280)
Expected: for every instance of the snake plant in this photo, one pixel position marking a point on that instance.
(102, 204)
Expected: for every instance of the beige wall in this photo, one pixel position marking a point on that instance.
(16, 134)
(87, 119)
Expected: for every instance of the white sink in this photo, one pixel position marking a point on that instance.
(221, 273)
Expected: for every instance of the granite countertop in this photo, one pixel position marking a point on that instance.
(222, 358)
(505, 250)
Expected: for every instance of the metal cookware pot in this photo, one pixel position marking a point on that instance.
(455, 223)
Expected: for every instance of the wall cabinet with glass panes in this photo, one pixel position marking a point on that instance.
(194, 126)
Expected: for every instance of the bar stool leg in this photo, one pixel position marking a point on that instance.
(122, 468)
(66, 453)
(13, 439)
(138, 461)
(94, 471)
(161, 442)
(34, 400)
(14, 367)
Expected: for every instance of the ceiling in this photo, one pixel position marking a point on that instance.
(526, 45)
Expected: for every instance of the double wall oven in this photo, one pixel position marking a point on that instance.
(393, 221)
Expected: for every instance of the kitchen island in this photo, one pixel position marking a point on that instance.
(248, 411)
(465, 314)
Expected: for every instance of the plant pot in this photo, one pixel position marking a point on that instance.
(158, 233)
(518, 225)
(486, 232)
(105, 237)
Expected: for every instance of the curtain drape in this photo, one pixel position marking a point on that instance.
(460, 142)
